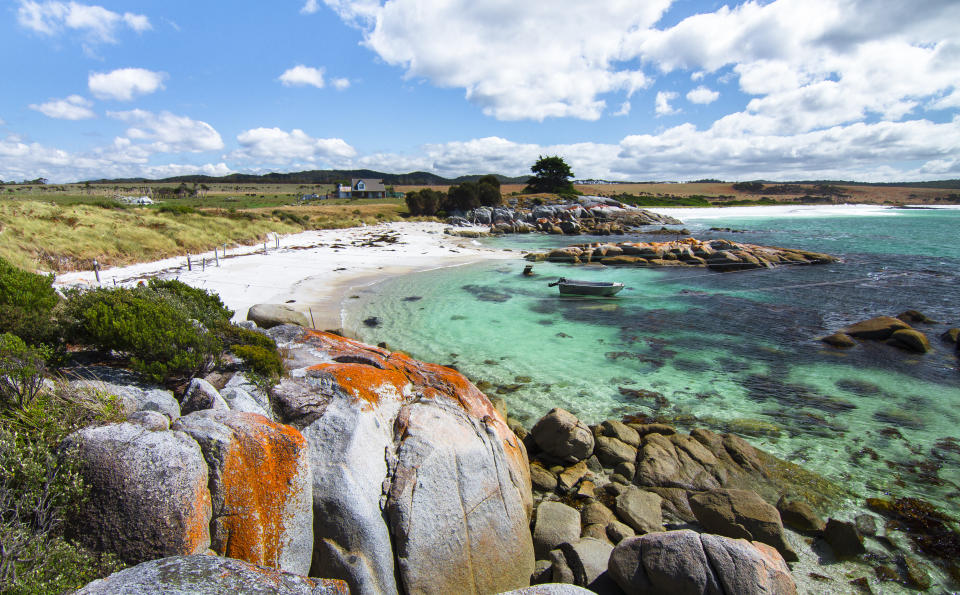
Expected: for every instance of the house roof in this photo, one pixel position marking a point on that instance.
(370, 184)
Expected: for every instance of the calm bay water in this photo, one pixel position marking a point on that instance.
(735, 352)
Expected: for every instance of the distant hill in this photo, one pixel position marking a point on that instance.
(321, 176)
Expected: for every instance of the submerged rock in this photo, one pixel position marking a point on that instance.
(878, 328)
(911, 340)
(843, 538)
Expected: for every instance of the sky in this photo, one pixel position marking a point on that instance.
(641, 90)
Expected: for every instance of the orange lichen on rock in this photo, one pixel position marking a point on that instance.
(259, 472)
(365, 382)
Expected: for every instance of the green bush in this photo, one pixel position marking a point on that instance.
(257, 350)
(265, 362)
(22, 370)
(195, 303)
(151, 329)
(176, 209)
(27, 301)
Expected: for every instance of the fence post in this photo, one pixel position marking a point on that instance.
(189, 264)
(96, 270)
(264, 246)
(203, 263)
(313, 324)
(277, 237)
(216, 255)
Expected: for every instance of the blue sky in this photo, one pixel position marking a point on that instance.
(630, 90)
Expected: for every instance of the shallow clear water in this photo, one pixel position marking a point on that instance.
(736, 351)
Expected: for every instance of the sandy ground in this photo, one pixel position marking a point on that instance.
(312, 271)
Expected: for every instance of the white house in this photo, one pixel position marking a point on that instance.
(362, 188)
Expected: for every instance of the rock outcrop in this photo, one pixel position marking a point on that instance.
(688, 562)
(260, 487)
(560, 434)
(209, 575)
(717, 255)
(149, 496)
(411, 463)
(895, 331)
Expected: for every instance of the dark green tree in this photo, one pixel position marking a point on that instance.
(424, 202)
(550, 174)
(488, 189)
(463, 197)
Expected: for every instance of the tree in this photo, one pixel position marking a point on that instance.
(424, 202)
(463, 197)
(551, 174)
(488, 189)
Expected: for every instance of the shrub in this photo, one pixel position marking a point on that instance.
(748, 186)
(176, 209)
(26, 304)
(152, 330)
(22, 369)
(196, 303)
(265, 362)
(257, 350)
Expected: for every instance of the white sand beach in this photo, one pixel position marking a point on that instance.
(317, 270)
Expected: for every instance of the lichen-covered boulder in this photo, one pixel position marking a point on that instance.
(560, 434)
(236, 393)
(411, 464)
(271, 315)
(260, 486)
(687, 562)
(148, 492)
(209, 575)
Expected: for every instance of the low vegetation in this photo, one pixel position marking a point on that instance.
(166, 330)
(463, 197)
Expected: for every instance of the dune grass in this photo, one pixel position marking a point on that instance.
(45, 236)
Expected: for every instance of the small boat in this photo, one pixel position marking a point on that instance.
(598, 288)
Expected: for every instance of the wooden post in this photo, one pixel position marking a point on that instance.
(312, 323)
(264, 246)
(277, 237)
(216, 255)
(189, 264)
(96, 271)
(203, 263)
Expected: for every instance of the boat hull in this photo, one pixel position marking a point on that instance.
(594, 289)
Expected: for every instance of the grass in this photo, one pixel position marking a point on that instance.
(61, 236)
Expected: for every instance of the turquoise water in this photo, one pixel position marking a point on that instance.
(735, 352)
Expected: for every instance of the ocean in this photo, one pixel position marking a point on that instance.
(728, 351)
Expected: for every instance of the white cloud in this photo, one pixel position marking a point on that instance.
(624, 109)
(702, 95)
(662, 103)
(340, 84)
(300, 76)
(273, 146)
(950, 101)
(310, 7)
(95, 23)
(516, 60)
(167, 133)
(124, 84)
(73, 107)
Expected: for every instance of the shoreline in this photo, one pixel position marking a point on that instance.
(316, 269)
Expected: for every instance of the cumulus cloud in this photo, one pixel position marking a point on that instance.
(167, 133)
(624, 109)
(340, 84)
(662, 103)
(73, 107)
(310, 7)
(273, 146)
(300, 76)
(124, 84)
(702, 95)
(534, 61)
(95, 23)
(521, 60)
